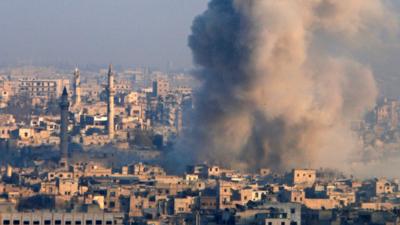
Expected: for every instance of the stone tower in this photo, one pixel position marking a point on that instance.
(178, 120)
(64, 107)
(77, 88)
(110, 105)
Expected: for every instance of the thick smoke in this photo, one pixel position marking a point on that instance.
(279, 83)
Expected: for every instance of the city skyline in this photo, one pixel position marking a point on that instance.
(211, 112)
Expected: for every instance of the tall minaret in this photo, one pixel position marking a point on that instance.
(110, 105)
(178, 120)
(64, 107)
(77, 88)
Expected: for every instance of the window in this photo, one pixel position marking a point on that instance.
(36, 222)
(78, 222)
(99, 222)
(269, 223)
(16, 222)
(292, 210)
(26, 222)
(57, 222)
(109, 222)
(68, 222)
(47, 222)
(6, 222)
(89, 222)
(282, 223)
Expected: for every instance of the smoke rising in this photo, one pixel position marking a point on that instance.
(279, 83)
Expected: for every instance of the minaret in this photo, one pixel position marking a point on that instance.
(110, 105)
(77, 88)
(178, 120)
(64, 107)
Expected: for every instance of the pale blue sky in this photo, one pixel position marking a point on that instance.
(125, 32)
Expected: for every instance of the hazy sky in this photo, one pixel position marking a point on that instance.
(125, 32)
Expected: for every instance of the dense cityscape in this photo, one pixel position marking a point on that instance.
(197, 112)
(85, 148)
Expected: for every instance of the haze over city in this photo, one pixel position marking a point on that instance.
(129, 33)
(261, 112)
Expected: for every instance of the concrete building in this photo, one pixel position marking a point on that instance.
(160, 87)
(304, 177)
(67, 187)
(183, 205)
(137, 202)
(42, 88)
(383, 186)
(282, 214)
(5, 92)
(224, 195)
(54, 218)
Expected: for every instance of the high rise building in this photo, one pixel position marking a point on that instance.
(160, 87)
(110, 105)
(77, 88)
(64, 107)
(42, 88)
